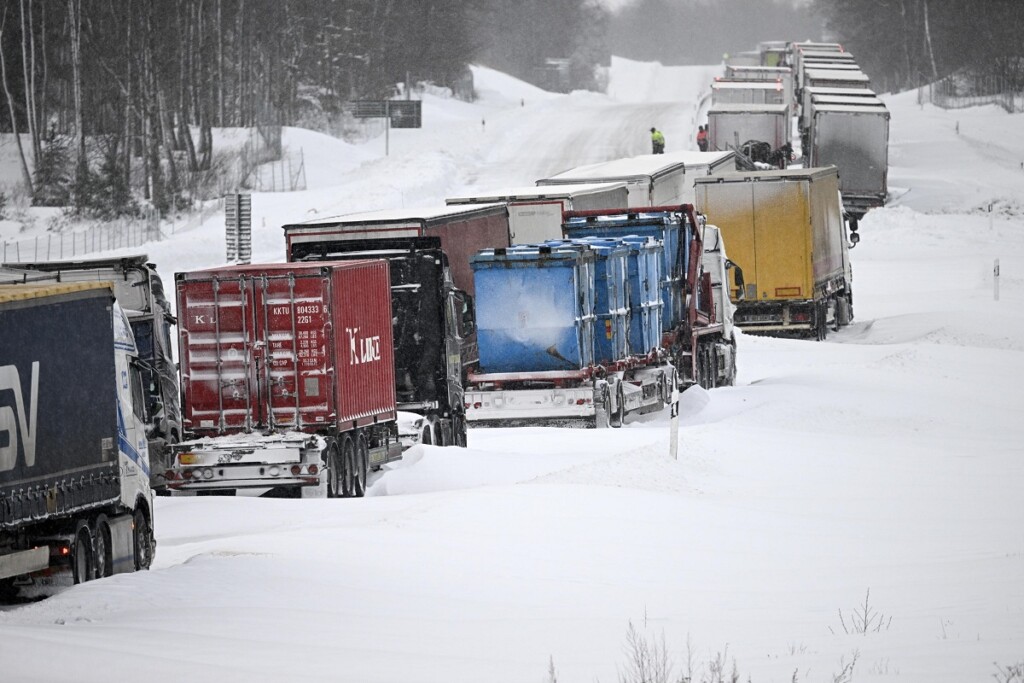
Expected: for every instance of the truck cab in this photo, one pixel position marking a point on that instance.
(139, 291)
(434, 330)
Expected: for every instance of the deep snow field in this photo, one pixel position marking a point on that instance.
(884, 465)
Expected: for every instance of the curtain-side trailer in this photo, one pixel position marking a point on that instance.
(74, 465)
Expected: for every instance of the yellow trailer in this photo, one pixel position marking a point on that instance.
(786, 232)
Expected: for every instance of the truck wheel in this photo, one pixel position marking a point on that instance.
(460, 438)
(143, 538)
(617, 416)
(82, 561)
(334, 466)
(348, 467)
(362, 464)
(103, 550)
(427, 437)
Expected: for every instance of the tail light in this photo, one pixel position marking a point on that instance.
(296, 470)
(313, 469)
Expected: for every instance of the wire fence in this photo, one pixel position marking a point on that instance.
(106, 236)
(959, 91)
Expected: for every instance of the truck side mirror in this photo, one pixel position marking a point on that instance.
(467, 315)
(737, 274)
(854, 239)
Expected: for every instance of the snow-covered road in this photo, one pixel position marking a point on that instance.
(883, 465)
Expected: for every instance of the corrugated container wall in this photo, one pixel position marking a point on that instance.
(286, 346)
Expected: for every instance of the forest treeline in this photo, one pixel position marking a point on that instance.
(907, 43)
(120, 94)
(117, 98)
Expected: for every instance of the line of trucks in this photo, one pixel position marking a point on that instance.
(839, 120)
(581, 300)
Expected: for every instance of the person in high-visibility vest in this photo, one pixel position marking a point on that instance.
(657, 141)
(702, 139)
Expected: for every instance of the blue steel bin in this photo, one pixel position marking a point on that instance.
(611, 299)
(534, 308)
(645, 259)
(664, 226)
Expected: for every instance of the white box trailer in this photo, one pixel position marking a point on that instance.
(652, 179)
(535, 213)
(748, 92)
(780, 74)
(854, 139)
(829, 78)
(810, 92)
(733, 124)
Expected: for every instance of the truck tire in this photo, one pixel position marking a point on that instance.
(618, 416)
(334, 469)
(82, 557)
(143, 540)
(103, 550)
(348, 466)
(461, 439)
(362, 465)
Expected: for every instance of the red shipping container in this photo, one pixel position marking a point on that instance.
(286, 347)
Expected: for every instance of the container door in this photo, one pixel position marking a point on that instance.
(781, 237)
(291, 349)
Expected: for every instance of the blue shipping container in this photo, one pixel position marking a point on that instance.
(534, 308)
(660, 225)
(611, 299)
(644, 272)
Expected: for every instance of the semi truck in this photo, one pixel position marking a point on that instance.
(696, 329)
(433, 325)
(287, 378)
(730, 125)
(786, 230)
(782, 75)
(651, 179)
(748, 92)
(74, 467)
(462, 231)
(556, 342)
(139, 290)
(854, 138)
(535, 213)
(434, 330)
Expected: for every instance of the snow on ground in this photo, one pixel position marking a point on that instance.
(884, 465)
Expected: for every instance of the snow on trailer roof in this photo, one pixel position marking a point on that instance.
(745, 85)
(535, 192)
(818, 100)
(25, 292)
(740, 108)
(759, 69)
(852, 109)
(836, 75)
(852, 92)
(775, 174)
(826, 54)
(424, 215)
(642, 166)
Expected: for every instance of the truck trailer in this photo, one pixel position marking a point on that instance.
(74, 467)
(139, 290)
(554, 346)
(696, 330)
(785, 229)
(434, 331)
(855, 139)
(287, 377)
(462, 231)
(652, 179)
(535, 213)
(731, 125)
